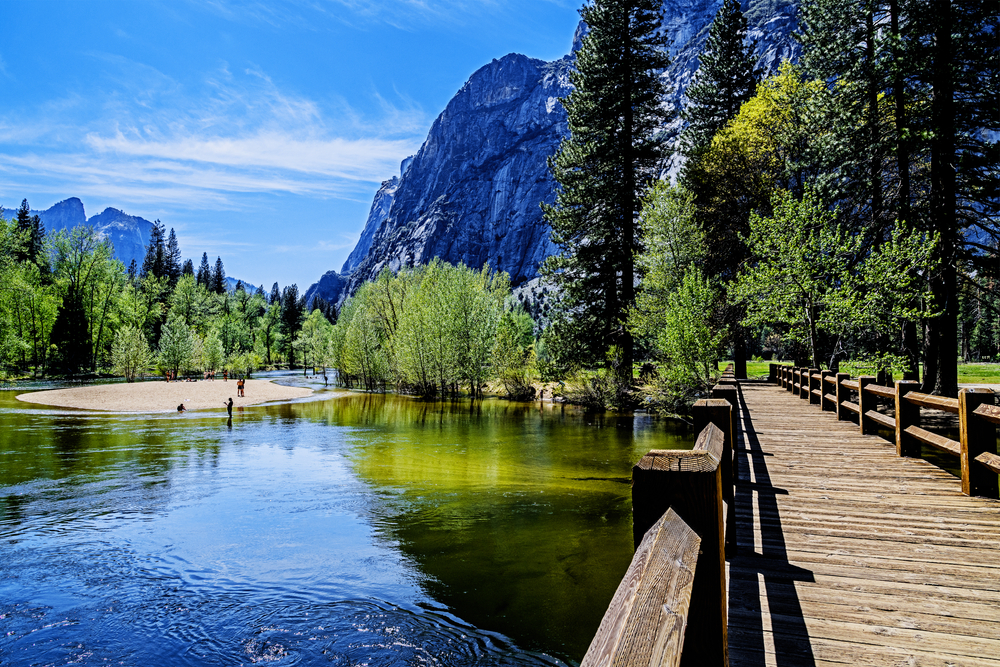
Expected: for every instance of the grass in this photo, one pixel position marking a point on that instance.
(967, 373)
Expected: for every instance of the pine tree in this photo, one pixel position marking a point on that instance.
(726, 77)
(602, 169)
(938, 63)
(218, 277)
(172, 259)
(292, 308)
(275, 298)
(154, 263)
(188, 269)
(204, 276)
(33, 235)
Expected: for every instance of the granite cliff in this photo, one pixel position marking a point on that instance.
(472, 192)
(128, 233)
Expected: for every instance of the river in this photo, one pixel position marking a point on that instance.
(345, 529)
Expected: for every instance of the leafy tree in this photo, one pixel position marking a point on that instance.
(513, 354)
(314, 340)
(602, 168)
(212, 355)
(130, 354)
(812, 275)
(176, 344)
(726, 78)
(90, 279)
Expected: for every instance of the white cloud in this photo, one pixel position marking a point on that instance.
(153, 141)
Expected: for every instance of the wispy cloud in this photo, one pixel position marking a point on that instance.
(154, 141)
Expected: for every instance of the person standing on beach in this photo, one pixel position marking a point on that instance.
(229, 407)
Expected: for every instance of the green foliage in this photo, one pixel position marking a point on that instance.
(428, 330)
(177, 344)
(812, 275)
(603, 168)
(513, 354)
(130, 353)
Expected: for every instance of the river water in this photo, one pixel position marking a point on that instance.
(343, 529)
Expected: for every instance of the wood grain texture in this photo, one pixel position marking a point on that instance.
(646, 620)
(933, 402)
(850, 554)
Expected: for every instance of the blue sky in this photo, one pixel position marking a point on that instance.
(259, 131)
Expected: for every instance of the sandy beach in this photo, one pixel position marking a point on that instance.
(163, 396)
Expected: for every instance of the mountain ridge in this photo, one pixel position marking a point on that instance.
(472, 192)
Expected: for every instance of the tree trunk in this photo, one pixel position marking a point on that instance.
(943, 206)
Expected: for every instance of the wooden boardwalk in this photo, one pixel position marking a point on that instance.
(851, 555)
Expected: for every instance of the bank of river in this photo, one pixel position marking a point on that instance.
(366, 529)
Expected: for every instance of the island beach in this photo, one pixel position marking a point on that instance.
(163, 396)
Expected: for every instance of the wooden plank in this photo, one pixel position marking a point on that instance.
(647, 617)
(880, 391)
(991, 461)
(882, 420)
(852, 407)
(934, 440)
(990, 413)
(850, 384)
(933, 402)
(854, 555)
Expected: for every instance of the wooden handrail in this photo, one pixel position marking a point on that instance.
(880, 391)
(647, 618)
(689, 483)
(977, 419)
(933, 402)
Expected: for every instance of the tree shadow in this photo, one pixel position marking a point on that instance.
(760, 573)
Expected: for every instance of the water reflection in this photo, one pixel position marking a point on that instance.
(351, 528)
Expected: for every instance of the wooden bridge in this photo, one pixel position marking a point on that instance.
(822, 544)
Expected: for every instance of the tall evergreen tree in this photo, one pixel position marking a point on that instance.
(218, 277)
(726, 78)
(602, 169)
(155, 262)
(292, 311)
(188, 269)
(204, 276)
(938, 63)
(33, 233)
(172, 260)
(275, 298)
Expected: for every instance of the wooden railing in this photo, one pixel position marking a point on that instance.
(670, 608)
(978, 418)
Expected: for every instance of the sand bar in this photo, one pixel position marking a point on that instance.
(163, 396)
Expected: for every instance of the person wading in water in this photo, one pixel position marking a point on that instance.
(229, 407)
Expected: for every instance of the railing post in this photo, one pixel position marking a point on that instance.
(825, 404)
(772, 373)
(907, 414)
(804, 384)
(783, 374)
(690, 483)
(814, 383)
(712, 412)
(842, 394)
(976, 436)
(865, 402)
